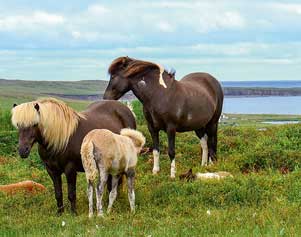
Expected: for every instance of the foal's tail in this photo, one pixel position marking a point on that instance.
(88, 160)
(137, 138)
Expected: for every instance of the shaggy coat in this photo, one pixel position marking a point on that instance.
(104, 153)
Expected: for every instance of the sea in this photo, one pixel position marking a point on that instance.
(263, 105)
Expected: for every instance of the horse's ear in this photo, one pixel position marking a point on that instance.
(14, 105)
(37, 107)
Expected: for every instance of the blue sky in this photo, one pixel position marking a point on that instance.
(77, 40)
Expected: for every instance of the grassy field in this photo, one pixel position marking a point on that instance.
(263, 198)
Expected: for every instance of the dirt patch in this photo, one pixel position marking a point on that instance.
(3, 160)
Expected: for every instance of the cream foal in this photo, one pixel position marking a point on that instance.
(104, 153)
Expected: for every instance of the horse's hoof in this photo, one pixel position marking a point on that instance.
(100, 215)
(60, 211)
(155, 172)
(74, 212)
(173, 176)
(90, 215)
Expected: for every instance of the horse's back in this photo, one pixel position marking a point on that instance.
(111, 113)
(201, 80)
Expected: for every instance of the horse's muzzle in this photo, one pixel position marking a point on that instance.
(24, 152)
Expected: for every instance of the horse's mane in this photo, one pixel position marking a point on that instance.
(133, 67)
(56, 120)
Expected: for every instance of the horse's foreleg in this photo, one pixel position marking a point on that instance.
(71, 181)
(113, 193)
(156, 149)
(131, 183)
(57, 183)
(171, 134)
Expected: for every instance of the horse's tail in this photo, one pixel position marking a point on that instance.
(88, 160)
(130, 106)
(137, 138)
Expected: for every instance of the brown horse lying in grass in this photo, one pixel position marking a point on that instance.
(104, 153)
(59, 131)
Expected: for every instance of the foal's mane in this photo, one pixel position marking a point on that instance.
(56, 120)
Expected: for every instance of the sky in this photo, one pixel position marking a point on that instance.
(234, 40)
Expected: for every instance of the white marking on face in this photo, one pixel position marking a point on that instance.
(161, 81)
(156, 155)
(204, 150)
(173, 169)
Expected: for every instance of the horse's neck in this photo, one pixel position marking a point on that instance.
(154, 94)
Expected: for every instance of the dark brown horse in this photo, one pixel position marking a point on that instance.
(59, 131)
(192, 104)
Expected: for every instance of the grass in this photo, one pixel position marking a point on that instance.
(263, 198)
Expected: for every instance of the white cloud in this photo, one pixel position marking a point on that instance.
(31, 21)
(220, 20)
(289, 7)
(98, 9)
(165, 26)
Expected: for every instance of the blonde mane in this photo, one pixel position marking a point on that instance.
(56, 120)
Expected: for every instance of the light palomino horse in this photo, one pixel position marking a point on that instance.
(104, 153)
(59, 131)
(192, 104)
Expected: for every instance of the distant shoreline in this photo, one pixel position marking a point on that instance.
(93, 90)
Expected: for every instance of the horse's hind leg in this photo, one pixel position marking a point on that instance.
(171, 134)
(113, 193)
(211, 130)
(90, 197)
(203, 141)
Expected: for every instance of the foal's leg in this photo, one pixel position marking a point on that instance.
(131, 193)
(57, 183)
(113, 193)
(90, 197)
(171, 134)
(103, 177)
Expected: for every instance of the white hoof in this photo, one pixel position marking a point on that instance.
(156, 171)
